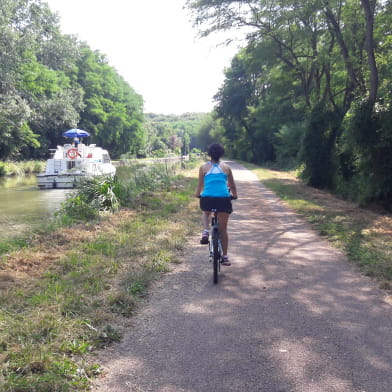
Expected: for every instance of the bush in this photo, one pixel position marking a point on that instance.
(365, 157)
(14, 169)
(318, 148)
(94, 195)
(288, 144)
(39, 166)
(3, 169)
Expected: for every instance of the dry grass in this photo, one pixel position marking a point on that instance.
(23, 265)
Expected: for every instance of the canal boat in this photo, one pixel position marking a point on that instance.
(70, 163)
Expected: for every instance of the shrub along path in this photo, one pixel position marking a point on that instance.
(290, 315)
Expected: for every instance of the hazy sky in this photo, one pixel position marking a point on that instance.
(153, 45)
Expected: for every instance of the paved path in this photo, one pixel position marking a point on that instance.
(290, 315)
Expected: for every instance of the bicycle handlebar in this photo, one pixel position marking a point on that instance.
(231, 197)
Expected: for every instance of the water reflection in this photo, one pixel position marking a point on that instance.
(23, 205)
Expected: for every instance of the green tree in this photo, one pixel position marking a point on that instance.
(36, 98)
(20, 30)
(53, 101)
(173, 132)
(113, 111)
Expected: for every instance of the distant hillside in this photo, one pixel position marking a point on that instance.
(173, 132)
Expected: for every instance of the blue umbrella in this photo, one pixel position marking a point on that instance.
(76, 133)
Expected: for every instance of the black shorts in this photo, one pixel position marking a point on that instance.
(220, 204)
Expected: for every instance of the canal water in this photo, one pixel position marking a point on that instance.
(24, 206)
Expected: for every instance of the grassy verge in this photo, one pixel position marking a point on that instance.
(21, 168)
(364, 235)
(73, 288)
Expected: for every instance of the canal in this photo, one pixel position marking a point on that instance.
(23, 206)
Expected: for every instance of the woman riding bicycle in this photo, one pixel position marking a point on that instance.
(215, 184)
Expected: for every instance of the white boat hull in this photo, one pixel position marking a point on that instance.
(61, 181)
(50, 181)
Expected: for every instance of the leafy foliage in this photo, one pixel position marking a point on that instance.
(113, 111)
(366, 147)
(318, 148)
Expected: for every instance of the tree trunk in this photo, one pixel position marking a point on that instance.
(368, 7)
(352, 81)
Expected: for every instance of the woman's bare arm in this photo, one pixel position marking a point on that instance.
(231, 183)
(200, 184)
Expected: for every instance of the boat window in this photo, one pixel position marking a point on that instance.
(71, 164)
(105, 158)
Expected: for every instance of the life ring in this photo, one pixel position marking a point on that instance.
(72, 153)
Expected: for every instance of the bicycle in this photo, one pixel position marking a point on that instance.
(215, 244)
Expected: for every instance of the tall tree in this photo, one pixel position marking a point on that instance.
(114, 111)
(37, 98)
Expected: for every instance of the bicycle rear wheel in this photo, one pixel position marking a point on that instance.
(216, 255)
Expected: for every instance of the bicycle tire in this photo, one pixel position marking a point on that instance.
(216, 255)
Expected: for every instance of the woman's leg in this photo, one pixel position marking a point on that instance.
(206, 220)
(223, 219)
(206, 226)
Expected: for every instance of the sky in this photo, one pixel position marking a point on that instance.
(154, 47)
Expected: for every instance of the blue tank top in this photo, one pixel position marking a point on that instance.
(215, 182)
